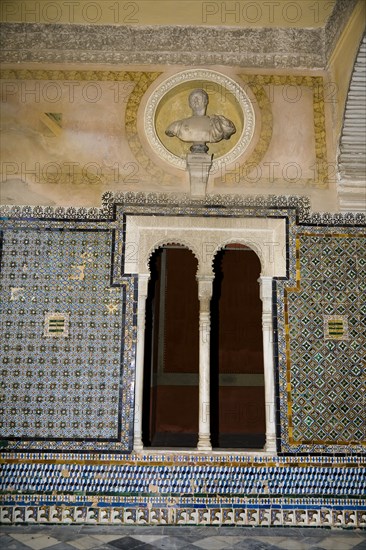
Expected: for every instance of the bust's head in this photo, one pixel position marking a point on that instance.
(198, 100)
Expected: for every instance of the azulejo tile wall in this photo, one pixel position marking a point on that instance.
(68, 361)
(176, 488)
(60, 387)
(326, 368)
(69, 388)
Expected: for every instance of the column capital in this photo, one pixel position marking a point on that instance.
(143, 281)
(265, 283)
(205, 283)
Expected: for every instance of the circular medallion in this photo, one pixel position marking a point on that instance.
(169, 102)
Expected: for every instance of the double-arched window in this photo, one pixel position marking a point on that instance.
(171, 358)
(204, 363)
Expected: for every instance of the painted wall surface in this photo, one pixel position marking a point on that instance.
(69, 135)
(175, 12)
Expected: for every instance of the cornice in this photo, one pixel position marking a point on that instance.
(169, 201)
(336, 24)
(180, 45)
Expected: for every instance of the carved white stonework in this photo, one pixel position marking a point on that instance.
(268, 363)
(199, 75)
(205, 237)
(141, 313)
(199, 165)
(204, 295)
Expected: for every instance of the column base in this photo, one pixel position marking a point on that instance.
(138, 445)
(204, 443)
(270, 446)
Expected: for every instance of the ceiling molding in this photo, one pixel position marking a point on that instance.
(336, 24)
(179, 45)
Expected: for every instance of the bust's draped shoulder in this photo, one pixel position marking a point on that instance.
(221, 128)
(174, 128)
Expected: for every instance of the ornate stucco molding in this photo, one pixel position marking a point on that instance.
(336, 23)
(167, 44)
(181, 45)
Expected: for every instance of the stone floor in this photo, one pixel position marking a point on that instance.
(98, 537)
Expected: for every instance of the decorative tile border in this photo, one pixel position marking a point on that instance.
(300, 204)
(170, 514)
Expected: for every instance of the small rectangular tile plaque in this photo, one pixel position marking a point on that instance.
(56, 325)
(335, 327)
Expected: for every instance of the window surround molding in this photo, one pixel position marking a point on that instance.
(205, 236)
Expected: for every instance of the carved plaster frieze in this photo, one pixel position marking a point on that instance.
(205, 237)
(181, 45)
(336, 23)
(187, 45)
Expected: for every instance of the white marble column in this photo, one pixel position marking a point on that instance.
(204, 295)
(139, 385)
(269, 386)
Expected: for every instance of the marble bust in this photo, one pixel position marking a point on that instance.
(200, 128)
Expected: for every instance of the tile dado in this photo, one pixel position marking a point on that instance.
(69, 387)
(174, 489)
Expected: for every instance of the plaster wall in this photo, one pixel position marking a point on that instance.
(69, 135)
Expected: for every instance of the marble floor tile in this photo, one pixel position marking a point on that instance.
(127, 543)
(14, 545)
(104, 537)
(254, 544)
(61, 546)
(35, 541)
(147, 539)
(85, 542)
(216, 543)
(171, 543)
(338, 543)
(287, 542)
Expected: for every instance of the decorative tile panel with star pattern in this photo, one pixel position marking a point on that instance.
(63, 388)
(325, 368)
